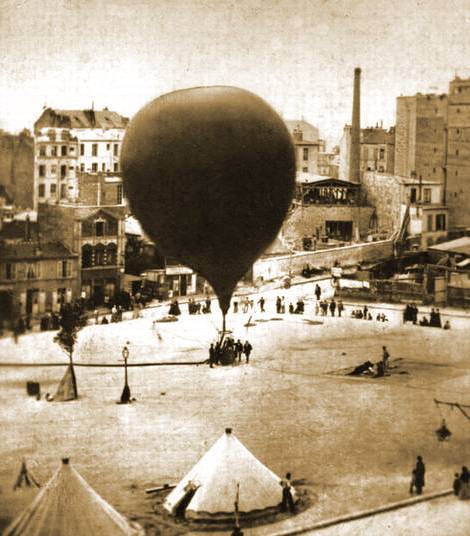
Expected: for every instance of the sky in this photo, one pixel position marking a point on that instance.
(299, 55)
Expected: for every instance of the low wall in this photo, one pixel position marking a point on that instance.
(272, 267)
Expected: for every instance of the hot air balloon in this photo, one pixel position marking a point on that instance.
(210, 173)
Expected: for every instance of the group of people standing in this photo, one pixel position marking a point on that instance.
(218, 351)
(461, 485)
(195, 307)
(322, 306)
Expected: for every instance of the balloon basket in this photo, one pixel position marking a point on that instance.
(227, 357)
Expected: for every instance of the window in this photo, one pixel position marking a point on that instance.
(94, 167)
(94, 149)
(456, 152)
(430, 228)
(53, 189)
(71, 149)
(87, 256)
(427, 195)
(87, 228)
(456, 172)
(103, 167)
(112, 228)
(108, 146)
(53, 169)
(305, 153)
(82, 149)
(440, 222)
(63, 191)
(119, 194)
(82, 167)
(42, 150)
(42, 170)
(116, 149)
(382, 153)
(63, 171)
(111, 254)
(116, 167)
(413, 195)
(63, 150)
(99, 228)
(42, 190)
(54, 150)
(434, 170)
(64, 268)
(99, 255)
(32, 270)
(10, 271)
(305, 169)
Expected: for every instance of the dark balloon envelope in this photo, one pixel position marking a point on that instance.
(210, 174)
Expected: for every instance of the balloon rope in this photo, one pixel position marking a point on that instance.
(223, 328)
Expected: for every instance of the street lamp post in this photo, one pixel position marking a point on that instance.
(126, 392)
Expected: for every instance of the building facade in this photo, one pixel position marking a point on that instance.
(97, 235)
(72, 142)
(377, 151)
(36, 277)
(458, 153)
(415, 204)
(307, 146)
(420, 137)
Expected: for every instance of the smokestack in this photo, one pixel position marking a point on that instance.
(355, 150)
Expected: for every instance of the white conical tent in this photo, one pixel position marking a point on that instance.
(68, 506)
(66, 389)
(215, 477)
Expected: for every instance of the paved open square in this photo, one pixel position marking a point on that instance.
(353, 441)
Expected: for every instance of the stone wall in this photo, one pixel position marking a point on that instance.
(304, 221)
(384, 193)
(273, 267)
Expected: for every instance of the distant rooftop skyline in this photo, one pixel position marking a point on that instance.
(68, 54)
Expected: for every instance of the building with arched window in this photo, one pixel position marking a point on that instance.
(97, 234)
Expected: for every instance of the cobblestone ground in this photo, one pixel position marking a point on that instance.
(355, 440)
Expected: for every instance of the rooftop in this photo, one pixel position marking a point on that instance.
(34, 251)
(459, 245)
(104, 119)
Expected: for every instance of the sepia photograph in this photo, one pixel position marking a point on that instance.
(234, 267)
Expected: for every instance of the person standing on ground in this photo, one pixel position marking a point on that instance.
(287, 499)
(211, 355)
(464, 492)
(332, 307)
(419, 476)
(318, 291)
(261, 304)
(239, 350)
(235, 306)
(278, 305)
(247, 350)
(340, 307)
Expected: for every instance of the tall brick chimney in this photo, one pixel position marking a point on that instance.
(355, 149)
